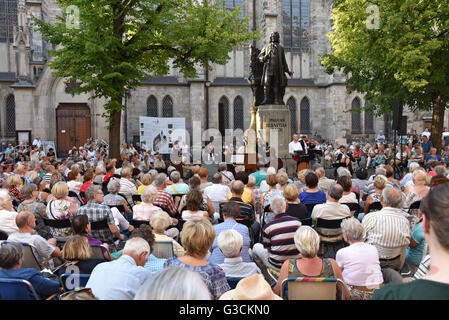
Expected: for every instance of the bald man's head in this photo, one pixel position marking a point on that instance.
(22, 218)
(237, 187)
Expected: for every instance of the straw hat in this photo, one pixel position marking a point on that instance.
(251, 288)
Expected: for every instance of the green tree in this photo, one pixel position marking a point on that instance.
(404, 57)
(118, 43)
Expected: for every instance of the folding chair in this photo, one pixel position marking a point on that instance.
(163, 249)
(138, 223)
(375, 206)
(310, 207)
(3, 235)
(332, 240)
(29, 258)
(58, 224)
(415, 205)
(306, 222)
(83, 196)
(354, 208)
(137, 198)
(98, 252)
(17, 289)
(233, 281)
(73, 194)
(309, 288)
(72, 281)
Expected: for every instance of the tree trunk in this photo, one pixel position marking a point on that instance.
(114, 134)
(437, 123)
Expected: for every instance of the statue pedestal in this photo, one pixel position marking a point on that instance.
(272, 119)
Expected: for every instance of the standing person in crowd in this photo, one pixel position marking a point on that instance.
(121, 279)
(30, 203)
(435, 284)
(197, 237)
(230, 211)
(230, 243)
(307, 241)
(11, 259)
(426, 144)
(277, 237)
(359, 262)
(7, 213)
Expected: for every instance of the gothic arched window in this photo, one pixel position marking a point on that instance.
(10, 116)
(369, 122)
(291, 103)
(356, 125)
(223, 114)
(152, 107)
(8, 20)
(295, 24)
(167, 107)
(238, 113)
(305, 115)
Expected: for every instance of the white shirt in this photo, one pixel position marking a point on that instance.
(40, 246)
(37, 143)
(236, 268)
(295, 146)
(8, 221)
(360, 264)
(426, 133)
(216, 192)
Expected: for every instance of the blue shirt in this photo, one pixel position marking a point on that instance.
(426, 146)
(217, 256)
(260, 176)
(117, 280)
(414, 255)
(44, 287)
(312, 197)
(154, 264)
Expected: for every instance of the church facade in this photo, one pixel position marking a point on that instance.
(33, 101)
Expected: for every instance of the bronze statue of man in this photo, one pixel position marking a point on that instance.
(275, 66)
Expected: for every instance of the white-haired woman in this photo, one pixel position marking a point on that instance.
(307, 241)
(160, 221)
(230, 243)
(113, 198)
(359, 262)
(174, 283)
(7, 213)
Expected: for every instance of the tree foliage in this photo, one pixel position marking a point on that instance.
(121, 42)
(405, 58)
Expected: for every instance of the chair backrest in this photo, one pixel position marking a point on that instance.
(29, 258)
(72, 281)
(302, 288)
(375, 206)
(83, 195)
(306, 222)
(138, 223)
(233, 281)
(310, 207)
(414, 205)
(163, 249)
(354, 208)
(57, 224)
(99, 225)
(96, 251)
(136, 198)
(3, 235)
(328, 224)
(73, 194)
(17, 289)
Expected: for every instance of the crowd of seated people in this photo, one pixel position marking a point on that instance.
(180, 230)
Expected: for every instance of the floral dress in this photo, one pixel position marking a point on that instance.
(59, 210)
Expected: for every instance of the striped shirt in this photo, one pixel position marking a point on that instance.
(387, 229)
(164, 200)
(246, 210)
(278, 237)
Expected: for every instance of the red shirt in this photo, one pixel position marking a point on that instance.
(84, 188)
(107, 176)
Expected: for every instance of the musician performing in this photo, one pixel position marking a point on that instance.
(299, 151)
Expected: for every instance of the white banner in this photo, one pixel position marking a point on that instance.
(161, 133)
